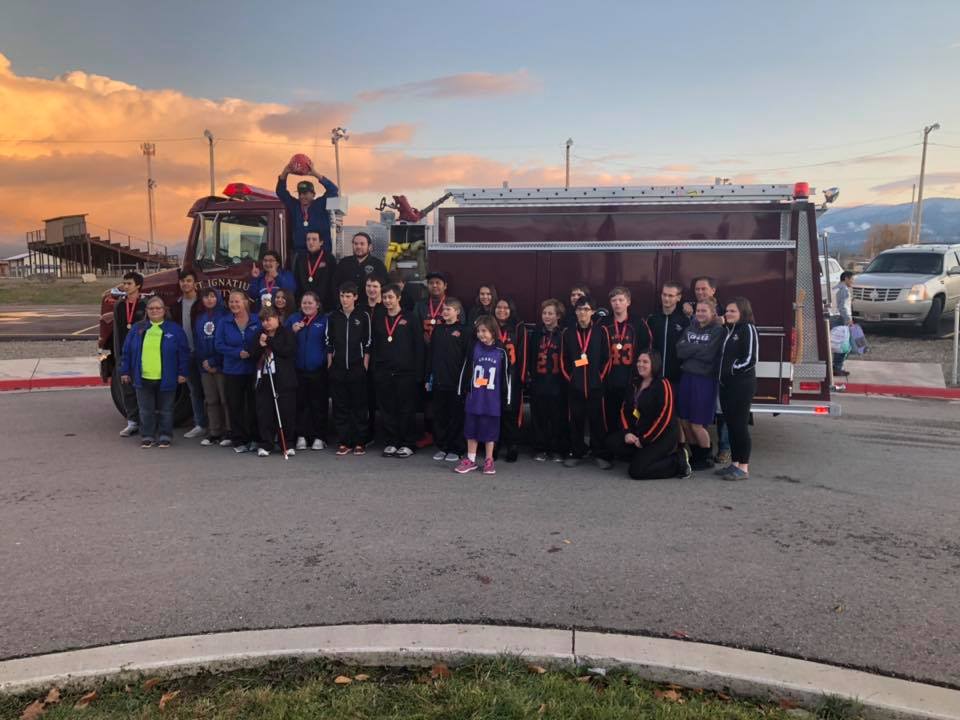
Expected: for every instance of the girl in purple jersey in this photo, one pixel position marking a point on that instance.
(486, 384)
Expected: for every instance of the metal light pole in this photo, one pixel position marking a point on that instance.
(336, 135)
(209, 136)
(566, 184)
(923, 167)
(149, 150)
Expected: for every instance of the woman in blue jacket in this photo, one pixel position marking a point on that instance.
(231, 338)
(310, 328)
(267, 279)
(211, 366)
(155, 359)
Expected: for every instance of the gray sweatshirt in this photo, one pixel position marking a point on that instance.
(699, 348)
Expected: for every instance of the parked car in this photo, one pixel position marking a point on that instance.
(910, 284)
(836, 269)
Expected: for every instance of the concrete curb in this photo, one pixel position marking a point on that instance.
(908, 391)
(689, 663)
(53, 383)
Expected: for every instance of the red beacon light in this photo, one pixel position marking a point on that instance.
(801, 190)
(243, 191)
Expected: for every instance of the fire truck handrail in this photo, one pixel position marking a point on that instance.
(626, 195)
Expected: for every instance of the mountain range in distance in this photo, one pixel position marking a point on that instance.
(848, 227)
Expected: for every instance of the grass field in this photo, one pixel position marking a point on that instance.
(57, 292)
(486, 690)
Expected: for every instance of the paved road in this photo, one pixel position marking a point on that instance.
(49, 322)
(845, 546)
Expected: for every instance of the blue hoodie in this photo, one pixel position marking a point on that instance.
(204, 329)
(174, 354)
(311, 343)
(229, 340)
(284, 281)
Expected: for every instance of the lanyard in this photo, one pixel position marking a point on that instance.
(131, 312)
(312, 268)
(305, 209)
(504, 336)
(546, 342)
(584, 344)
(618, 334)
(307, 320)
(391, 329)
(269, 284)
(434, 314)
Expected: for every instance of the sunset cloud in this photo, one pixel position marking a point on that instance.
(462, 85)
(931, 179)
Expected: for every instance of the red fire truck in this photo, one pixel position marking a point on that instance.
(759, 241)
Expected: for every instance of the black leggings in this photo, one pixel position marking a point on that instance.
(736, 394)
(655, 461)
(240, 406)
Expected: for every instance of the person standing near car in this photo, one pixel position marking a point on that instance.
(845, 308)
(738, 384)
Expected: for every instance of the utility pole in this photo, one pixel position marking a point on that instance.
(566, 184)
(913, 210)
(149, 150)
(336, 135)
(923, 167)
(209, 136)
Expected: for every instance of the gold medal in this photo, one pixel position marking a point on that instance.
(583, 356)
(267, 302)
(433, 321)
(619, 346)
(129, 326)
(389, 338)
(310, 279)
(305, 223)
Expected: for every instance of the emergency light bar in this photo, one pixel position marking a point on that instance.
(243, 191)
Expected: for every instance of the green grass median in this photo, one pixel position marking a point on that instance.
(497, 689)
(29, 291)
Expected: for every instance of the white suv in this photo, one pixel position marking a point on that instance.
(910, 284)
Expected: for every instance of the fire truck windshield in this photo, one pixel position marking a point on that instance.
(227, 239)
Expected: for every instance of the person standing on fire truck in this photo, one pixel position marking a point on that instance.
(308, 212)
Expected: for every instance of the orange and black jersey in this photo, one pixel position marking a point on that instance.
(594, 342)
(513, 338)
(627, 340)
(543, 361)
(648, 413)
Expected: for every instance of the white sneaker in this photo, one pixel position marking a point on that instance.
(132, 428)
(263, 453)
(439, 455)
(452, 457)
(404, 452)
(206, 442)
(226, 442)
(241, 449)
(318, 444)
(389, 451)
(196, 432)
(301, 443)
(291, 452)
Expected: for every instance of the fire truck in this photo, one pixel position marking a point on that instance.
(758, 241)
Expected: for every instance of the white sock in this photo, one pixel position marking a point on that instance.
(472, 457)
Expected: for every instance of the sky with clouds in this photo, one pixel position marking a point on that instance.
(438, 95)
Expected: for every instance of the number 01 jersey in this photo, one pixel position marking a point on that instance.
(485, 381)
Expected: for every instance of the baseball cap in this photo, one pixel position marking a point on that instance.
(305, 186)
(437, 274)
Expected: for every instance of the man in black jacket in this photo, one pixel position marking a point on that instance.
(314, 270)
(666, 327)
(126, 312)
(361, 265)
(348, 360)
(398, 355)
(184, 313)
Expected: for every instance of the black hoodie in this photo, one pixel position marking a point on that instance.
(666, 331)
(446, 355)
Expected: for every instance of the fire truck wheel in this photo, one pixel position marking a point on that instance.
(115, 392)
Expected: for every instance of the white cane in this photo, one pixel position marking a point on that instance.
(276, 406)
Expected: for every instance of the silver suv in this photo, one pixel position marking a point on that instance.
(910, 284)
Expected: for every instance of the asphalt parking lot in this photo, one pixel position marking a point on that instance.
(842, 547)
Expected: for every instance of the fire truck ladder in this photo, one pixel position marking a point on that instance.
(626, 195)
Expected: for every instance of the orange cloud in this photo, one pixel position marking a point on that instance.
(475, 84)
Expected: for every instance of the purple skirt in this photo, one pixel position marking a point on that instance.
(482, 428)
(697, 398)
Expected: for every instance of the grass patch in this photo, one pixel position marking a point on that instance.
(497, 689)
(55, 292)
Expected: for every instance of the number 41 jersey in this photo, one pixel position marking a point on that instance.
(486, 380)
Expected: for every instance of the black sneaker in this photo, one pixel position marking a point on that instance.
(163, 444)
(512, 454)
(147, 443)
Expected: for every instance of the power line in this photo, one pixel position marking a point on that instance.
(51, 141)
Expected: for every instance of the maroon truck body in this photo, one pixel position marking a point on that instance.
(757, 241)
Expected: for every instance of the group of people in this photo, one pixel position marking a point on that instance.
(601, 382)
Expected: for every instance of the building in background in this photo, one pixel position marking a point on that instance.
(29, 264)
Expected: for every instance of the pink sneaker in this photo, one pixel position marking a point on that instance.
(465, 466)
(488, 468)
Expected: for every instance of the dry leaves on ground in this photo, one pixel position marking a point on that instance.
(151, 683)
(536, 669)
(788, 704)
(669, 695)
(440, 671)
(167, 698)
(361, 677)
(53, 697)
(342, 680)
(85, 700)
(33, 710)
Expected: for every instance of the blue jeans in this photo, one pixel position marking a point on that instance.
(156, 411)
(195, 386)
